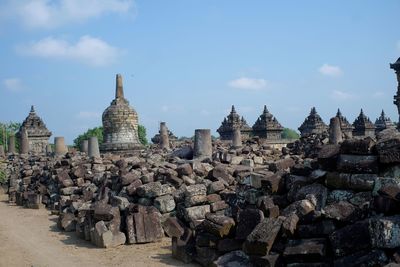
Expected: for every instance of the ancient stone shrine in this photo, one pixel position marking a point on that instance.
(313, 124)
(267, 126)
(38, 134)
(345, 125)
(230, 123)
(396, 67)
(383, 122)
(120, 123)
(363, 127)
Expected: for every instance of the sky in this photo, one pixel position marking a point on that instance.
(186, 62)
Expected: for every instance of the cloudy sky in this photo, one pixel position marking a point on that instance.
(187, 62)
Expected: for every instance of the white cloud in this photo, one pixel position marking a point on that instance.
(54, 13)
(246, 83)
(342, 96)
(89, 50)
(378, 94)
(330, 70)
(88, 115)
(13, 84)
(166, 108)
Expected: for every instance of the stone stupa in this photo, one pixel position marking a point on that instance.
(120, 124)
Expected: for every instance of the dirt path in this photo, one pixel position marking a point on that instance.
(31, 238)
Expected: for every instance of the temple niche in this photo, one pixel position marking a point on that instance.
(363, 127)
(120, 123)
(230, 123)
(383, 122)
(38, 134)
(313, 124)
(267, 126)
(345, 125)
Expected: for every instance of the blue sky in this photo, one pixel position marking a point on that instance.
(187, 62)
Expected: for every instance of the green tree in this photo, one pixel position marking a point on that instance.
(7, 129)
(94, 132)
(142, 135)
(290, 134)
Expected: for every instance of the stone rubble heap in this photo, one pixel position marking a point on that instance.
(249, 206)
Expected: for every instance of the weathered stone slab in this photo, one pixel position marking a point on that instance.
(363, 258)
(218, 225)
(173, 227)
(358, 164)
(143, 225)
(247, 220)
(165, 203)
(342, 211)
(305, 250)
(261, 239)
(385, 232)
(351, 238)
(235, 258)
(282, 164)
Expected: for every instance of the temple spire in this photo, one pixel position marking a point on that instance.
(339, 113)
(119, 91)
(32, 109)
(233, 109)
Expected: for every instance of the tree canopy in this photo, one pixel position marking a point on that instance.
(290, 134)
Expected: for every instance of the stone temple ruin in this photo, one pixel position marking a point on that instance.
(38, 134)
(232, 122)
(120, 123)
(313, 124)
(266, 127)
(363, 127)
(321, 203)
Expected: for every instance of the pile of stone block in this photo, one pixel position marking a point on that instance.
(249, 206)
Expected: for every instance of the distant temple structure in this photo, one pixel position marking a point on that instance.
(396, 67)
(38, 134)
(345, 125)
(267, 126)
(230, 123)
(313, 124)
(120, 123)
(363, 127)
(383, 122)
(156, 139)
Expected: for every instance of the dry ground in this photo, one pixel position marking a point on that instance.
(31, 238)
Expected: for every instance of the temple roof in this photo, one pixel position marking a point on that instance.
(396, 65)
(34, 125)
(383, 122)
(267, 121)
(363, 122)
(312, 122)
(233, 121)
(344, 123)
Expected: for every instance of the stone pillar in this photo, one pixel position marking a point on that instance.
(164, 137)
(49, 149)
(237, 138)
(11, 144)
(2, 153)
(85, 146)
(119, 90)
(59, 146)
(93, 149)
(24, 143)
(335, 132)
(202, 143)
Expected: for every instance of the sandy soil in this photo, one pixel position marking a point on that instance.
(31, 238)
